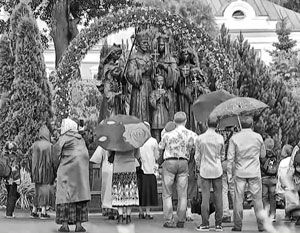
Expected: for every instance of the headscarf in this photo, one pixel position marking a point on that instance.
(68, 125)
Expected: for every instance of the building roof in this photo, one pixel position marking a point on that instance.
(262, 8)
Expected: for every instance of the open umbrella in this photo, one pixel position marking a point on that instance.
(122, 133)
(204, 105)
(237, 106)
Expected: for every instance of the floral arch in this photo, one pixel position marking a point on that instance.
(213, 59)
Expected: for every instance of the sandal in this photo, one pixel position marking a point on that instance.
(64, 229)
(80, 229)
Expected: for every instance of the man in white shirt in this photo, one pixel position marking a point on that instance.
(245, 150)
(210, 152)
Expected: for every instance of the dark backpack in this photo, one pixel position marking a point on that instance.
(5, 169)
(270, 166)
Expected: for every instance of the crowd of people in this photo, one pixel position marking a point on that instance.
(224, 165)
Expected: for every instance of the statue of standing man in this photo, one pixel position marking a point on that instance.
(139, 75)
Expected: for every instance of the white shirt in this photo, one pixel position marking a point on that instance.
(149, 154)
(210, 151)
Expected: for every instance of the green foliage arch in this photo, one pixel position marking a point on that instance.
(212, 58)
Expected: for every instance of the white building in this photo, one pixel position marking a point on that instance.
(257, 20)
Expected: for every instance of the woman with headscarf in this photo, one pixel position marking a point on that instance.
(73, 190)
(42, 172)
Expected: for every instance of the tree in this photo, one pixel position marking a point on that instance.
(63, 17)
(285, 64)
(253, 79)
(196, 11)
(30, 95)
(293, 5)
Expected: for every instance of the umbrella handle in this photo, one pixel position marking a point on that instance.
(238, 117)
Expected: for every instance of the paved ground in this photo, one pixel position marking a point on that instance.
(98, 224)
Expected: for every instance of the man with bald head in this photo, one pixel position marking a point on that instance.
(245, 150)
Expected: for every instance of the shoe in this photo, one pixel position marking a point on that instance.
(202, 228)
(142, 216)
(64, 229)
(169, 225)
(128, 219)
(34, 215)
(45, 216)
(148, 216)
(80, 229)
(274, 220)
(10, 216)
(218, 228)
(261, 230)
(180, 224)
(236, 229)
(297, 223)
(226, 219)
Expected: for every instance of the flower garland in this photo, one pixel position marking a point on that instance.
(216, 60)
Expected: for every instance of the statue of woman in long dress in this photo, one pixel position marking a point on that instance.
(111, 76)
(139, 75)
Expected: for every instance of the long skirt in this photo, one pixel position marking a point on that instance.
(147, 190)
(42, 195)
(72, 212)
(124, 189)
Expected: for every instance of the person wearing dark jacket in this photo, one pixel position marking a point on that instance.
(42, 173)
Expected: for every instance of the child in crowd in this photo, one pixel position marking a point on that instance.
(269, 167)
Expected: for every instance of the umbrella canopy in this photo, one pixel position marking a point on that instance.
(237, 106)
(204, 105)
(122, 133)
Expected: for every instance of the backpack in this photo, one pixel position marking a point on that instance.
(5, 169)
(270, 167)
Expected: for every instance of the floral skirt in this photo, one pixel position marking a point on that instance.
(124, 189)
(72, 212)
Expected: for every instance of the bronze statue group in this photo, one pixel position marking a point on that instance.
(152, 84)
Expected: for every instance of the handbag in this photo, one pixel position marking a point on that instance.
(197, 201)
